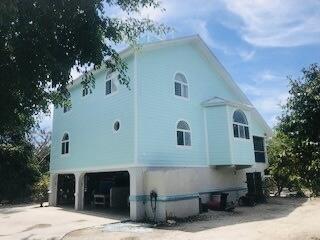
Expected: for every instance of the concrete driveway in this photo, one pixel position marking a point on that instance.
(31, 222)
(279, 219)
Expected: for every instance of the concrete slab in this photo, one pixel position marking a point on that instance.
(33, 222)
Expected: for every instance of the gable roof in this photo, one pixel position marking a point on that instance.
(206, 51)
(218, 101)
(219, 68)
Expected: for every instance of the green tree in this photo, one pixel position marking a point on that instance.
(18, 171)
(40, 189)
(41, 40)
(300, 123)
(280, 158)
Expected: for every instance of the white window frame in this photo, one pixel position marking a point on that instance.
(264, 149)
(64, 143)
(242, 125)
(182, 85)
(184, 131)
(113, 80)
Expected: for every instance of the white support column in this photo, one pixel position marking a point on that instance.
(79, 191)
(137, 208)
(53, 188)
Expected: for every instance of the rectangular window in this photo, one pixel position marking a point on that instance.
(259, 149)
(241, 131)
(187, 139)
(180, 138)
(185, 91)
(65, 148)
(235, 130)
(108, 87)
(177, 89)
(111, 86)
(246, 132)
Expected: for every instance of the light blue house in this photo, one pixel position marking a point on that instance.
(184, 129)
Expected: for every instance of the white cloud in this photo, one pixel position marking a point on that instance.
(246, 55)
(263, 23)
(268, 76)
(264, 96)
(277, 23)
(198, 26)
(185, 18)
(180, 10)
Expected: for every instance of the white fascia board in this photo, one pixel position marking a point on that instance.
(227, 77)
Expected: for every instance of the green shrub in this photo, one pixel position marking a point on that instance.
(40, 189)
(18, 173)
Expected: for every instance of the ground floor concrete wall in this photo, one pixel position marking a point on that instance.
(178, 189)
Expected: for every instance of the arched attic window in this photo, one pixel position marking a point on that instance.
(180, 85)
(65, 144)
(240, 125)
(183, 134)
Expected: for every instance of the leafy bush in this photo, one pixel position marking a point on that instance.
(40, 189)
(18, 172)
(294, 150)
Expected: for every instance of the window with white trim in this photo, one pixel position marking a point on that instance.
(240, 125)
(65, 144)
(111, 86)
(183, 134)
(180, 85)
(259, 149)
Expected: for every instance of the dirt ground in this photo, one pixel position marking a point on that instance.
(289, 219)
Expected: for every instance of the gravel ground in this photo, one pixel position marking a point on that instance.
(279, 219)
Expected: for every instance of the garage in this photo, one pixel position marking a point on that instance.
(66, 190)
(107, 191)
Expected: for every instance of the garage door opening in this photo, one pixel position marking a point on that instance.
(107, 192)
(66, 190)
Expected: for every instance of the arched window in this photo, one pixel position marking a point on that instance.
(240, 125)
(183, 134)
(180, 85)
(65, 144)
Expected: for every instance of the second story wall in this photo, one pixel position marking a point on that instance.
(94, 144)
(159, 110)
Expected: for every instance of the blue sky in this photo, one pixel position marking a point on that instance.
(259, 42)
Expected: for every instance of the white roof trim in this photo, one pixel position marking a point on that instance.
(227, 77)
(210, 57)
(217, 101)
